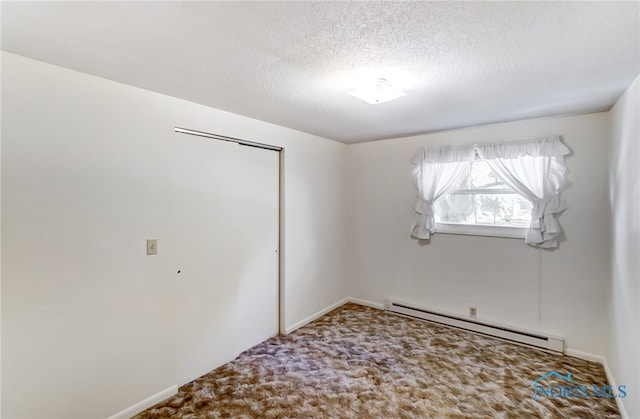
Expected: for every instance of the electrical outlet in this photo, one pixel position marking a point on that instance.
(152, 247)
(473, 312)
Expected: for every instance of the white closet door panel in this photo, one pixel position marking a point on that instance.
(258, 233)
(226, 251)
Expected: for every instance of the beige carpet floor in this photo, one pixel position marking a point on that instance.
(359, 362)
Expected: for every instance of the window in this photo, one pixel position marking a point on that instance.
(482, 199)
(502, 189)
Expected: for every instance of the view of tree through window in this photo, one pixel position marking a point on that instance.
(481, 198)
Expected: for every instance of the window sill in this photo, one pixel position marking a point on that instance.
(476, 230)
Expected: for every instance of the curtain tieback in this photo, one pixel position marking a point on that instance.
(424, 207)
(543, 210)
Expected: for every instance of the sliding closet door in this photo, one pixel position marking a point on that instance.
(227, 223)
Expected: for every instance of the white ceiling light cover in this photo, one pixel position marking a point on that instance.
(376, 92)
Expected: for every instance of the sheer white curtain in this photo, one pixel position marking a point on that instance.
(437, 171)
(536, 170)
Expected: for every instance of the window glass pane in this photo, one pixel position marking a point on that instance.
(505, 207)
(458, 209)
(511, 209)
(482, 177)
(464, 182)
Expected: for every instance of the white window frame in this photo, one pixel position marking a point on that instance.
(481, 230)
(476, 230)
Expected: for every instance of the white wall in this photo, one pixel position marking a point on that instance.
(87, 317)
(623, 344)
(87, 177)
(498, 276)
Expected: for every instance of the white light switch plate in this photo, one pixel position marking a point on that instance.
(152, 247)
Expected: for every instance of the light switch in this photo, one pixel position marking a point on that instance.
(152, 247)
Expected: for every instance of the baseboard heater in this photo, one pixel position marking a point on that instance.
(476, 326)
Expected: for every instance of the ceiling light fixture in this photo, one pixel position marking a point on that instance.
(376, 92)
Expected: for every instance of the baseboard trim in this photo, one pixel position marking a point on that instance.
(146, 403)
(366, 303)
(614, 384)
(333, 306)
(314, 316)
(607, 371)
(584, 355)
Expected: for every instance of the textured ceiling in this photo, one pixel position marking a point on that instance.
(290, 63)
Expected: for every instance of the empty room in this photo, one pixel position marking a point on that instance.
(320, 209)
